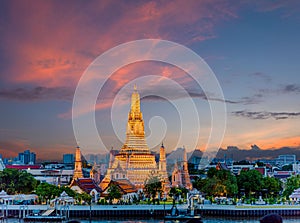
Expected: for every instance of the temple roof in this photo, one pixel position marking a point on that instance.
(124, 185)
(86, 184)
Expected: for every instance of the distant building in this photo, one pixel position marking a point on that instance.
(68, 158)
(52, 176)
(236, 169)
(283, 174)
(2, 166)
(286, 159)
(26, 157)
(296, 167)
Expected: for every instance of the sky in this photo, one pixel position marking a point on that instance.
(252, 47)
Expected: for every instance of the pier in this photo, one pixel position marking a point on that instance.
(155, 211)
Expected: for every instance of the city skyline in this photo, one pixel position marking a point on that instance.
(251, 46)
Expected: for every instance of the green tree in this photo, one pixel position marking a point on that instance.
(292, 184)
(47, 191)
(114, 193)
(217, 183)
(272, 185)
(250, 180)
(16, 181)
(153, 187)
(287, 167)
(175, 192)
(83, 197)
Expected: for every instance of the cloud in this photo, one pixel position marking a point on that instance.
(262, 76)
(265, 115)
(291, 88)
(286, 8)
(54, 42)
(37, 94)
(12, 148)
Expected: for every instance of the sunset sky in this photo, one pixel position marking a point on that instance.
(252, 47)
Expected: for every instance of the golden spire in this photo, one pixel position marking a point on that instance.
(135, 134)
(78, 164)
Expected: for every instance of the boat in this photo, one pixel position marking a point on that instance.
(187, 216)
(196, 218)
(40, 218)
(46, 216)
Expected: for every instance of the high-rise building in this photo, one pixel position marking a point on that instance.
(134, 162)
(68, 158)
(32, 158)
(26, 157)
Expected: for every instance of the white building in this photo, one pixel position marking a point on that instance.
(286, 159)
(2, 166)
(52, 176)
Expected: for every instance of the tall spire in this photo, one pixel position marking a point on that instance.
(162, 168)
(185, 175)
(111, 158)
(78, 164)
(162, 158)
(135, 134)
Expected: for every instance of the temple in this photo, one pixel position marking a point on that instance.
(78, 165)
(180, 175)
(135, 162)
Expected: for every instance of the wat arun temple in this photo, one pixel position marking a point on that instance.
(135, 162)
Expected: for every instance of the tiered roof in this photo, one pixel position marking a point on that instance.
(86, 184)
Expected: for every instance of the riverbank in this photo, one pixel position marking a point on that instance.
(152, 210)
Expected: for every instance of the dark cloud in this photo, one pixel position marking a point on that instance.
(265, 114)
(249, 100)
(291, 88)
(37, 94)
(172, 94)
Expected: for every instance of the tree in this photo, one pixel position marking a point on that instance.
(175, 192)
(250, 180)
(287, 167)
(218, 183)
(272, 185)
(83, 197)
(292, 184)
(114, 193)
(153, 187)
(16, 181)
(47, 191)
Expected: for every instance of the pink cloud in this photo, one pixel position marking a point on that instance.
(55, 44)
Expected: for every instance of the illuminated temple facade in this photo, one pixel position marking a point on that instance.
(135, 162)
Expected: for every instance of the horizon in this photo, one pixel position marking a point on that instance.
(252, 47)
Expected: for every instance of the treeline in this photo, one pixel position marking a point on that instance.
(15, 181)
(248, 184)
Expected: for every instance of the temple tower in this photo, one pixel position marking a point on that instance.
(162, 168)
(186, 181)
(78, 165)
(135, 134)
(176, 176)
(134, 160)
